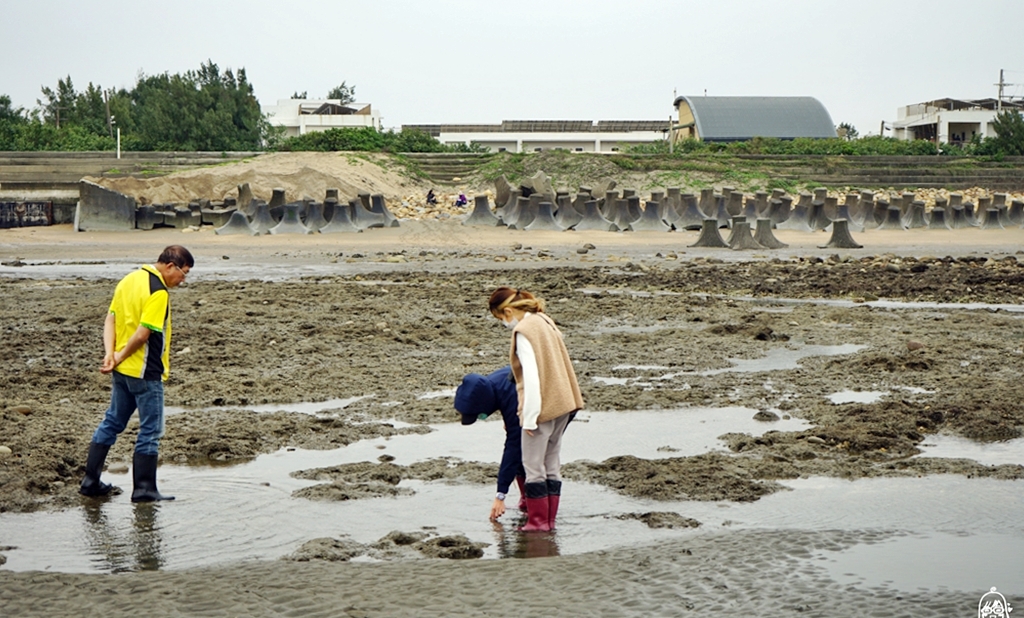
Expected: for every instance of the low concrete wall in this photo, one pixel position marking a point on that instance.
(100, 209)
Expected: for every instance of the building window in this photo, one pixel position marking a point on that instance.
(501, 150)
(538, 149)
(578, 149)
(614, 149)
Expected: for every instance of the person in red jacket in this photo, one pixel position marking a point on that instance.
(549, 397)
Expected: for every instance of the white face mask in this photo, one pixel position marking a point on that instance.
(511, 323)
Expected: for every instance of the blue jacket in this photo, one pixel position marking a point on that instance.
(482, 395)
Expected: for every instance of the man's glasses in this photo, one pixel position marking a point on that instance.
(183, 273)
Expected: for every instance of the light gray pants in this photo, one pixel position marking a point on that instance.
(542, 451)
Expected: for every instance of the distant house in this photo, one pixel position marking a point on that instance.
(539, 135)
(950, 121)
(300, 116)
(734, 119)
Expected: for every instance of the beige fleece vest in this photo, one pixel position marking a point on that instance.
(559, 390)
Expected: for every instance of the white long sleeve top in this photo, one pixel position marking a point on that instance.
(531, 380)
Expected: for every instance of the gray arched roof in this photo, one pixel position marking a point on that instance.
(723, 119)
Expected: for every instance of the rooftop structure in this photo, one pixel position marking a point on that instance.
(538, 135)
(733, 119)
(300, 116)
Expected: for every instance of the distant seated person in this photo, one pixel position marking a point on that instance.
(431, 199)
(477, 398)
(461, 200)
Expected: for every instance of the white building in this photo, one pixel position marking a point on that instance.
(949, 121)
(538, 135)
(300, 116)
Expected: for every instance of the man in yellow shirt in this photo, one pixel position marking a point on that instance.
(136, 343)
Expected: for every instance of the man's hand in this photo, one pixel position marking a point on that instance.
(497, 509)
(108, 363)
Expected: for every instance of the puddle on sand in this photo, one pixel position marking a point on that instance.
(304, 407)
(988, 453)
(878, 304)
(968, 562)
(777, 359)
(857, 396)
(246, 511)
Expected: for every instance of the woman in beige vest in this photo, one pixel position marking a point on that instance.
(549, 397)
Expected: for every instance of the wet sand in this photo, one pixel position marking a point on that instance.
(401, 312)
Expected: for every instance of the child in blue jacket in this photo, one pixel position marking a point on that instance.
(478, 397)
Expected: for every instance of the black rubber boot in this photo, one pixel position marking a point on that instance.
(554, 497)
(144, 477)
(91, 484)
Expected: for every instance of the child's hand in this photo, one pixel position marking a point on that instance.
(497, 509)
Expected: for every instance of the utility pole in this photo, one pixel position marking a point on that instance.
(1001, 84)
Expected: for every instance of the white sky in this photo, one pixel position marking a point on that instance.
(434, 61)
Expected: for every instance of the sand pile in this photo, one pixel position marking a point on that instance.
(299, 174)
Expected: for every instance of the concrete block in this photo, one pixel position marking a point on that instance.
(101, 209)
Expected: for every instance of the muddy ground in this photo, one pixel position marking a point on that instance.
(392, 336)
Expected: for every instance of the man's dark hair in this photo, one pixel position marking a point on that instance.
(177, 255)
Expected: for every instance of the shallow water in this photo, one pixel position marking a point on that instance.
(228, 513)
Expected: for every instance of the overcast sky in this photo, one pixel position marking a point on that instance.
(424, 61)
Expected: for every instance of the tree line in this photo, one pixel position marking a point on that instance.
(213, 110)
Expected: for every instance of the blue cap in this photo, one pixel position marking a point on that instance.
(474, 398)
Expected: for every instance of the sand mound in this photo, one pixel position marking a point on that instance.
(299, 174)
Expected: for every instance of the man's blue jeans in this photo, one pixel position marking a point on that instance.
(126, 395)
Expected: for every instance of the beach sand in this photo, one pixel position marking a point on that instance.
(282, 319)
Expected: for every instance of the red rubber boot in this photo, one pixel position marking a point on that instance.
(554, 497)
(521, 482)
(536, 508)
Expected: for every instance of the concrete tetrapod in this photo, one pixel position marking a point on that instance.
(842, 212)
(735, 204)
(750, 209)
(852, 203)
(245, 199)
(341, 221)
(276, 205)
(915, 216)
(509, 206)
(721, 212)
(818, 218)
(315, 216)
(732, 227)
(710, 236)
(764, 236)
(567, 216)
(608, 204)
(1016, 213)
(799, 219)
(690, 216)
(879, 212)
(991, 221)
(841, 238)
(481, 215)
(761, 204)
(528, 208)
(938, 219)
(593, 219)
(1004, 215)
(381, 208)
(621, 216)
(633, 207)
(742, 239)
(958, 220)
(262, 221)
(981, 212)
(707, 205)
(146, 217)
(650, 220)
(545, 219)
(969, 214)
(290, 222)
(510, 216)
(893, 221)
(237, 224)
(779, 210)
(363, 218)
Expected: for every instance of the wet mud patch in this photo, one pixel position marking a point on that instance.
(370, 480)
(707, 477)
(396, 545)
(663, 519)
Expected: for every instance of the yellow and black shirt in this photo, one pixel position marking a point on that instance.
(141, 299)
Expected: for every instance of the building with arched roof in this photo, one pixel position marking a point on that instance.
(735, 119)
